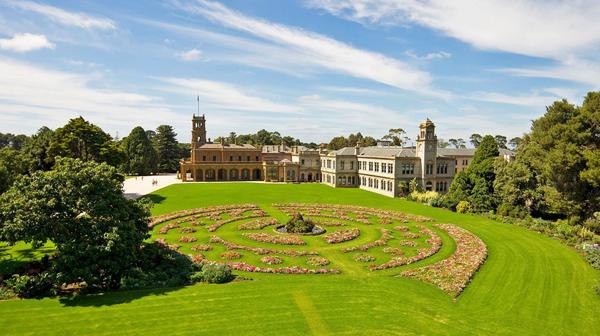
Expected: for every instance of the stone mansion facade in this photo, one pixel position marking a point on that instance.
(378, 168)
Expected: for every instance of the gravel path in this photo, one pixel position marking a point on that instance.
(135, 187)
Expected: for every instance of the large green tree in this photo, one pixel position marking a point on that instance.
(84, 140)
(80, 207)
(476, 183)
(36, 150)
(167, 149)
(558, 163)
(140, 155)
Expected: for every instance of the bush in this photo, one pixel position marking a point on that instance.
(464, 207)
(297, 224)
(215, 273)
(31, 286)
(158, 266)
(6, 293)
(424, 197)
(592, 255)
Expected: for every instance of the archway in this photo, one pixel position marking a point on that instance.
(209, 175)
(309, 177)
(198, 176)
(256, 174)
(234, 175)
(245, 174)
(302, 177)
(222, 175)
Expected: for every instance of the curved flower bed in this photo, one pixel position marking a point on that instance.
(364, 258)
(402, 228)
(407, 243)
(454, 273)
(257, 224)
(271, 260)
(435, 243)
(260, 250)
(341, 236)
(222, 222)
(242, 266)
(317, 261)
(411, 235)
(201, 247)
(393, 250)
(187, 239)
(385, 237)
(279, 239)
(187, 230)
(361, 214)
(230, 255)
(165, 229)
(208, 211)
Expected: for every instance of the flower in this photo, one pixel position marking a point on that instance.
(187, 239)
(340, 236)
(230, 255)
(317, 261)
(364, 258)
(271, 260)
(280, 239)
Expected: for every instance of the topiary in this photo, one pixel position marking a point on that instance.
(297, 224)
(215, 273)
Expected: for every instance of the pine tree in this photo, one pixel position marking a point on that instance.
(141, 156)
(167, 149)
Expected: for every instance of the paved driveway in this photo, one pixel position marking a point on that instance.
(141, 185)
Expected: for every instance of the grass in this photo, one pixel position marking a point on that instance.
(529, 284)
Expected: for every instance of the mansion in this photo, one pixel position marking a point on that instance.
(378, 168)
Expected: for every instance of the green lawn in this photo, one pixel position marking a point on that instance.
(529, 284)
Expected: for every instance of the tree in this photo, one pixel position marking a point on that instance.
(337, 143)
(150, 134)
(141, 158)
(501, 141)
(231, 138)
(368, 141)
(476, 183)
(36, 150)
(514, 143)
(80, 207)
(557, 165)
(395, 135)
(443, 143)
(184, 150)
(167, 149)
(83, 140)
(457, 143)
(475, 139)
(13, 163)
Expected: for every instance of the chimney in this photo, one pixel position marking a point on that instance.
(356, 149)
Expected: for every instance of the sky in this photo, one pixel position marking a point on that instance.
(312, 69)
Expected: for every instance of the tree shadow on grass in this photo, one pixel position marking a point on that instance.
(154, 199)
(113, 298)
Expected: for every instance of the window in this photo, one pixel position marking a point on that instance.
(230, 158)
(390, 168)
(203, 157)
(465, 162)
(408, 168)
(248, 158)
(370, 166)
(214, 158)
(370, 182)
(302, 162)
(240, 158)
(257, 158)
(333, 161)
(376, 166)
(376, 184)
(351, 165)
(382, 185)
(442, 168)
(389, 185)
(342, 163)
(429, 169)
(384, 167)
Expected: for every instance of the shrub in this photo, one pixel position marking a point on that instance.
(297, 224)
(215, 273)
(464, 207)
(31, 286)
(6, 293)
(592, 255)
(423, 197)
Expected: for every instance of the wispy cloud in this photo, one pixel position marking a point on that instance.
(319, 50)
(64, 17)
(429, 56)
(354, 90)
(223, 96)
(50, 97)
(189, 55)
(26, 42)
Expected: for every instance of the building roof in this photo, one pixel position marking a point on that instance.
(226, 146)
(467, 152)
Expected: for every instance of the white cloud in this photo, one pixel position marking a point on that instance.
(354, 90)
(64, 17)
(190, 55)
(26, 42)
(429, 56)
(534, 100)
(223, 96)
(48, 97)
(321, 51)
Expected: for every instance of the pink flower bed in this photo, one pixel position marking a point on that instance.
(344, 211)
(401, 228)
(242, 266)
(187, 230)
(187, 239)
(155, 220)
(411, 235)
(267, 238)
(222, 222)
(230, 255)
(257, 224)
(385, 237)
(271, 260)
(201, 247)
(340, 236)
(259, 250)
(435, 243)
(198, 258)
(317, 261)
(454, 273)
(408, 243)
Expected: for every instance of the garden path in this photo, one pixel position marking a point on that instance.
(138, 186)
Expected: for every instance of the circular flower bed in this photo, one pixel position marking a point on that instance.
(201, 247)
(267, 238)
(393, 250)
(343, 235)
(187, 239)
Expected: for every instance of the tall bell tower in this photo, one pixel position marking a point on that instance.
(198, 133)
(427, 144)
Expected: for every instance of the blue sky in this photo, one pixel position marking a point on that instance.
(312, 69)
